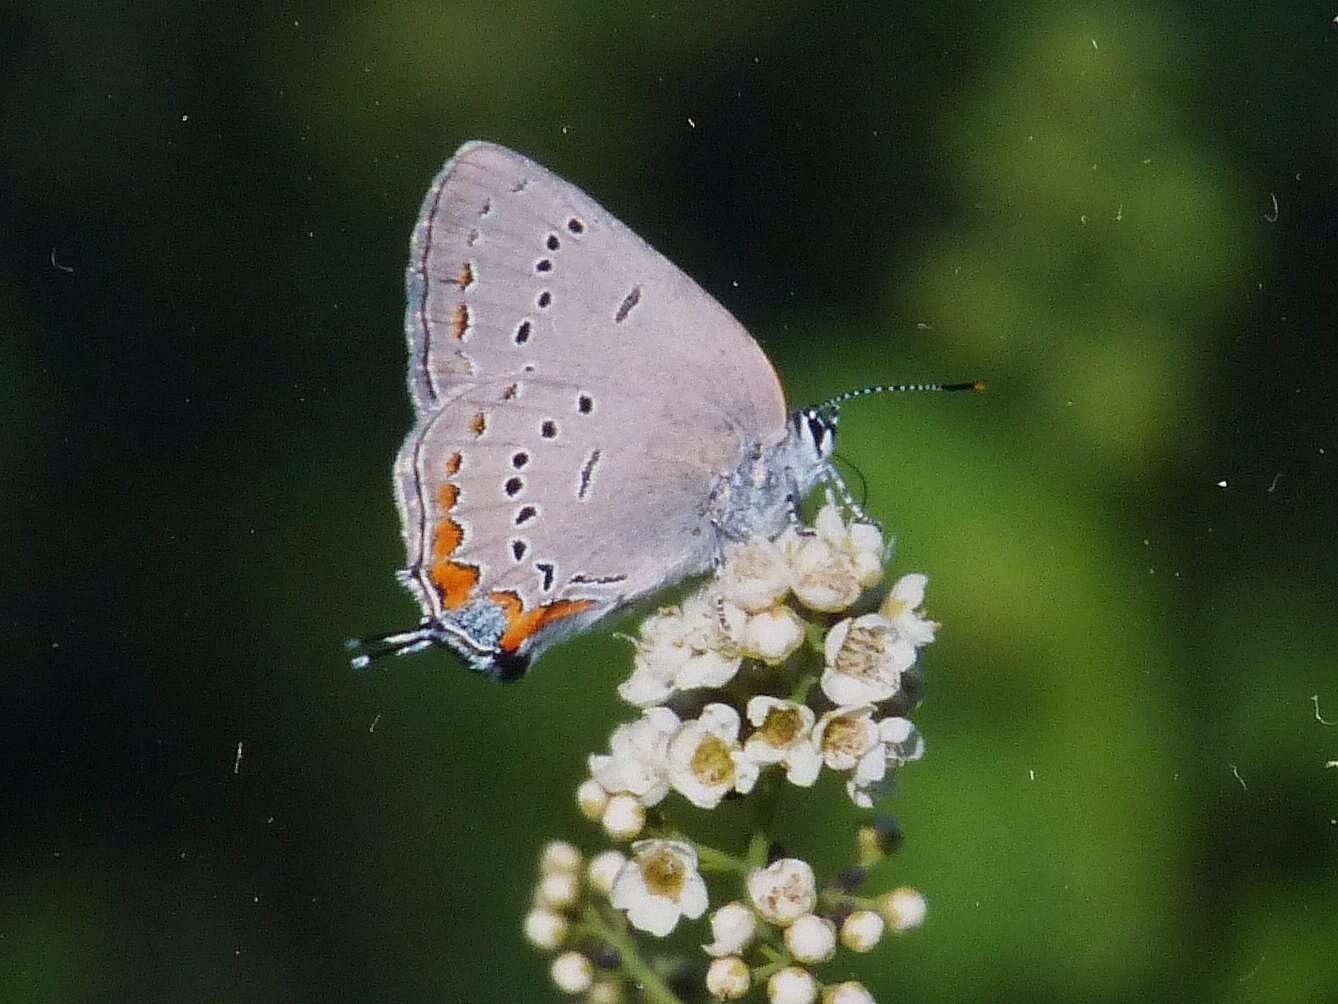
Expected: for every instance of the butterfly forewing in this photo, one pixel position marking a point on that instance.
(577, 395)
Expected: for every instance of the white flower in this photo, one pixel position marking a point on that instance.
(862, 931)
(603, 869)
(901, 609)
(822, 579)
(847, 737)
(705, 760)
(783, 891)
(782, 736)
(864, 545)
(831, 566)
(861, 543)
(572, 973)
(849, 992)
(545, 928)
(899, 742)
(811, 939)
(903, 740)
(624, 817)
(728, 979)
(559, 856)
(732, 928)
(592, 799)
(865, 658)
(754, 575)
(792, 985)
(772, 635)
(636, 763)
(558, 890)
(903, 908)
(681, 648)
(658, 885)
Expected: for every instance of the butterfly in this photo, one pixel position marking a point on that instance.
(590, 425)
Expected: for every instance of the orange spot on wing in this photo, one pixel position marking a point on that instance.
(454, 580)
(522, 624)
(452, 468)
(460, 323)
(466, 275)
(478, 423)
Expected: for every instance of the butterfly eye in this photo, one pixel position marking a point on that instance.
(819, 430)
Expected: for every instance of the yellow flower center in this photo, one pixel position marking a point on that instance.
(712, 763)
(782, 727)
(664, 875)
(845, 735)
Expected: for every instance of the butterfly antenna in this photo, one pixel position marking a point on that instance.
(899, 388)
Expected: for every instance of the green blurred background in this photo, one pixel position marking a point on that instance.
(204, 219)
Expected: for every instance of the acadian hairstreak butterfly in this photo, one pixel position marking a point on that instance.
(591, 426)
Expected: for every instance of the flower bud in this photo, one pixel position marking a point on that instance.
(728, 979)
(811, 939)
(862, 931)
(572, 973)
(792, 985)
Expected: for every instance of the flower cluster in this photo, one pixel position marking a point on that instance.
(661, 882)
(702, 644)
(789, 661)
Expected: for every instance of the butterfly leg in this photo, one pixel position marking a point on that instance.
(795, 518)
(837, 483)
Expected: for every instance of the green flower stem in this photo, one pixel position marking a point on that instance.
(775, 957)
(712, 860)
(757, 850)
(815, 635)
(653, 989)
(835, 897)
(764, 972)
(801, 688)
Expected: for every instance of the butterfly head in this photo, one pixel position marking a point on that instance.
(813, 430)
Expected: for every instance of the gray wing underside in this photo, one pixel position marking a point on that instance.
(607, 510)
(616, 306)
(529, 304)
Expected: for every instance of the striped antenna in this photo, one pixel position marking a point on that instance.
(901, 388)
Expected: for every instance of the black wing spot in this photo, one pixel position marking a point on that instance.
(576, 226)
(543, 265)
(520, 185)
(519, 460)
(585, 404)
(518, 549)
(552, 243)
(547, 571)
(587, 472)
(597, 580)
(545, 300)
(523, 333)
(525, 514)
(549, 429)
(625, 308)
(514, 486)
